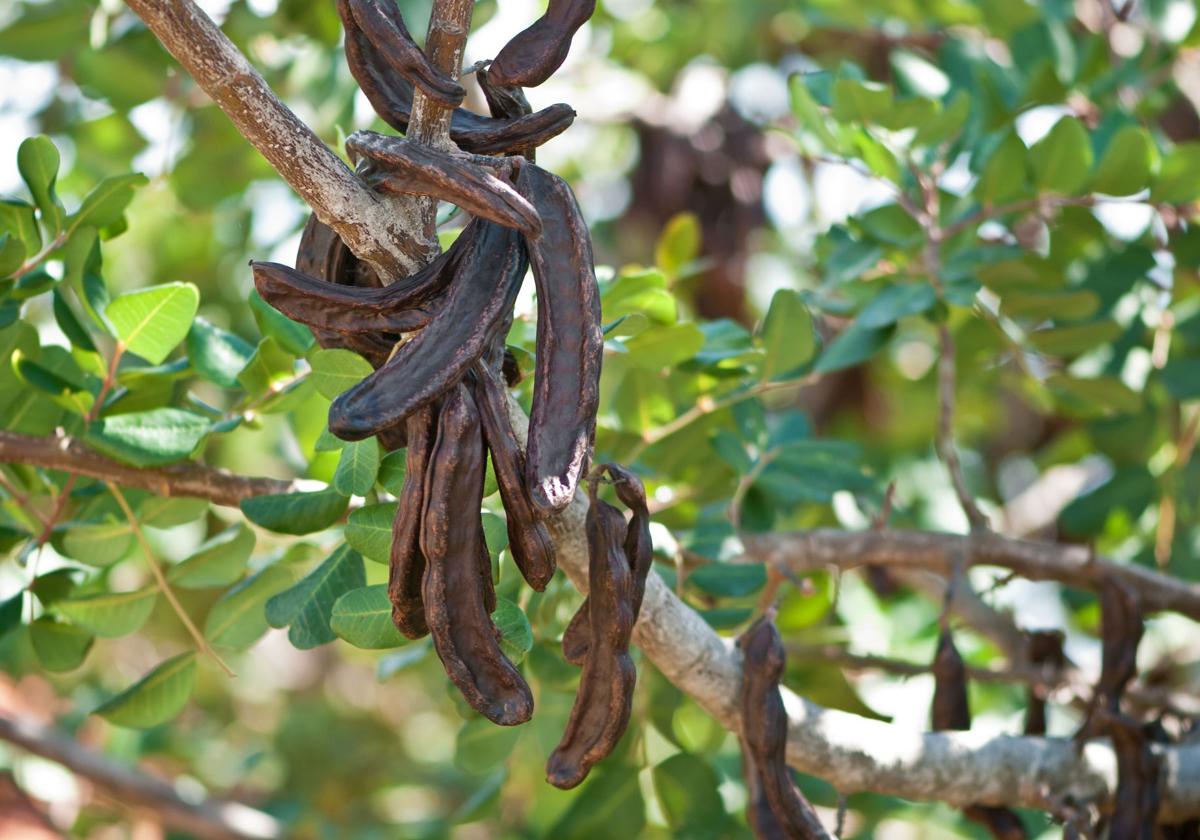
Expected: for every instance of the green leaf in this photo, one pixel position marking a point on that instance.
(305, 609)
(516, 636)
(947, 123)
(292, 337)
(1062, 160)
(1130, 490)
(110, 615)
(1069, 305)
(609, 805)
(105, 205)
(856, 344)
(896, 302)
(369, 531)
(808, 113)
(59, 646)
(37, 161)
(481, 746)
(296, 513)
(220, 561)
(10, 613)
(334, 371)
(12, 254)
(64, 316)
(397, 661)
(363, 617)
(391, 471)
(19, 219)
(357, 467)
(156, 697)
(1099, 396)
(640, 292)
(1004, 175)
(168, 512)
(98, 544)
(1073, 340)
(238, 619)
(217, 355)
(862, 102)
(729, 580)
(641, 402)
(1179, 178)
(787, 335)
(151, 322)
(44, 31)
(665, 346)
(1128, 163)
(268, 367)
(1182, 378)
(679, 243)
(686, 787)
(148, 438)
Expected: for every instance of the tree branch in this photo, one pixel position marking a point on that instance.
(209, 819)
(187, 479)
(1073, 565)
(375, 227)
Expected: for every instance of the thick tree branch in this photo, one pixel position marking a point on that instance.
(187, 479)
(375, 227)
(209, 819)
(1073, 565)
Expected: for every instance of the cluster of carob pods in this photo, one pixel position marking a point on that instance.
(436, 339)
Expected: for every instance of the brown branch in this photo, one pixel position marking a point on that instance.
(209, 819)
(1072, 565)
(375, 227)
(187, 479)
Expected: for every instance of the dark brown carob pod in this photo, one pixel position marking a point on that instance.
(1135, 806)
(777, 810)
(951, 710)
(528, 540)
(383, 25)
(454, 595)
(401, 166)
(391, 95)
(639, 550)
(605, 695)
(1044, 651)
(480, 299)
(570, 345)
(533, 54)
(406, 568)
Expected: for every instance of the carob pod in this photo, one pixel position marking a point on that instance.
(639, 550)
(605, 695)
(951, 710)
(528, 540)
(383, 25)
(391, 96)
(406, 568)
(401, 166)
(1044, 651)
(1136, 803)
(533, 54)
(480, 299)
(777, 809)
(405, 305)
(464, 636)
(570, 345)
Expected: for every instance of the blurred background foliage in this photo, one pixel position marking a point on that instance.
(763, 180)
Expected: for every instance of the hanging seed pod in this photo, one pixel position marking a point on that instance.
(480, 299)
(528, 540)
(570, 345)
(453, 592)
(533, 55)
(383, 25)
(639, 550)
(605, 695)
(777, 809)
(406, 567)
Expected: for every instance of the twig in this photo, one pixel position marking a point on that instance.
(1072, 565)
(209, 819)
(60, 452)
(947, 451)
(198, 637)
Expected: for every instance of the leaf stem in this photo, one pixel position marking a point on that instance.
(161, 581)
